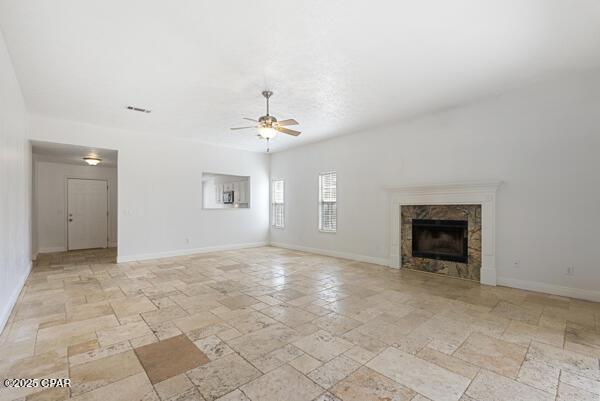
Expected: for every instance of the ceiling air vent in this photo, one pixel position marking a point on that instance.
(138, 109)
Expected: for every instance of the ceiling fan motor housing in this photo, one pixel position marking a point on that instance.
(267, 120)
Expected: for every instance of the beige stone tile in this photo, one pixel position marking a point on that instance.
(196, 321)
(333, 371)
(92, 375)
(87, 311)
(229, 334)
(489, 386)
(16, 350)
(131, 319)
(539, 375)
(490, 353)
(259, 343)
(99, 353)
(277, 358)
(51, 394)
(548, 300)
(323, 346)
(235, 395)
(327, 396)
(567, 392)
(367, 385)
(521, 313)
(427, 316)
(583, 336)
(451, 363)
(135, 387)
(584, 383)
(288, 315)
(37, 365)
(388, 333)
(413, 343)
(165, 330)
(285, 383)
(250, 321)
(523, 333)
(365, 341)
(213, 347)
(238, 301)
(164, 314)
(446, 333)
(305, 363)
(582, 365)
(424, 377)
(359, 354)
(38, 310)
(207, 331)
(173, 386)
(131, 305)
(82, 347)
(222, 376)
(143, 340)
(336, 324)
(61, 336)
(121, 333)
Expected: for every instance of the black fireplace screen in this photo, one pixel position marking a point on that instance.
(440, 239)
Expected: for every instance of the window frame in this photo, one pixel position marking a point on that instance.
(273, 203)
(320, 190)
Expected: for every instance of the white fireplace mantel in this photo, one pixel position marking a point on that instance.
(461, 193)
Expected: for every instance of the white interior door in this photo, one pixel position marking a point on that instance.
(87, 213)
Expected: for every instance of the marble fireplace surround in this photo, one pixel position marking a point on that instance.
(464, 193)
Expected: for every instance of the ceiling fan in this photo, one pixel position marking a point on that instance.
(268, 126)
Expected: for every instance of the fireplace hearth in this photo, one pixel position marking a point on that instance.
(440, 239)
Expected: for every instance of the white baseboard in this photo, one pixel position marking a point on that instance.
(589, 295)
(336, 254)
(51, 249)
(12, 300)
(183, 252)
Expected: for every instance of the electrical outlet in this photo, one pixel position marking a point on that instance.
(516, 264)
(570, 271)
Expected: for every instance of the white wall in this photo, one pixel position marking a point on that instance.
(50, 201)
(15, 185)
(160, 189)
(543, 141)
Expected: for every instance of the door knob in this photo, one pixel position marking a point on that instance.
(70, 219)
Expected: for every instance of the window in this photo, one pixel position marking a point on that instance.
(328, 202)
(277, 204)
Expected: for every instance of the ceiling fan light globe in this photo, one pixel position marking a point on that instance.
(267, 132)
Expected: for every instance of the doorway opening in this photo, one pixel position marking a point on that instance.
(74, 192)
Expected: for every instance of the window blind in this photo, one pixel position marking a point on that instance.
(277, 204)
(328, 202)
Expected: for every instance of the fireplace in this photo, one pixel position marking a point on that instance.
(440, 239)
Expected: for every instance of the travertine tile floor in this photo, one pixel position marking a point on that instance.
(275, 325)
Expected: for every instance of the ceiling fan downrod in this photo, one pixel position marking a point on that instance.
(267, 95)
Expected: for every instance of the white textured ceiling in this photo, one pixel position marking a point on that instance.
(335, 66)
(71, 154)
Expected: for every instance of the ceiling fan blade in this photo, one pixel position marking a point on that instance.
(288, 131)
(236, 128)
(291, 121)
(249, 119)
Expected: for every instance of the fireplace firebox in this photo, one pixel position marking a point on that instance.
(440, 239)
